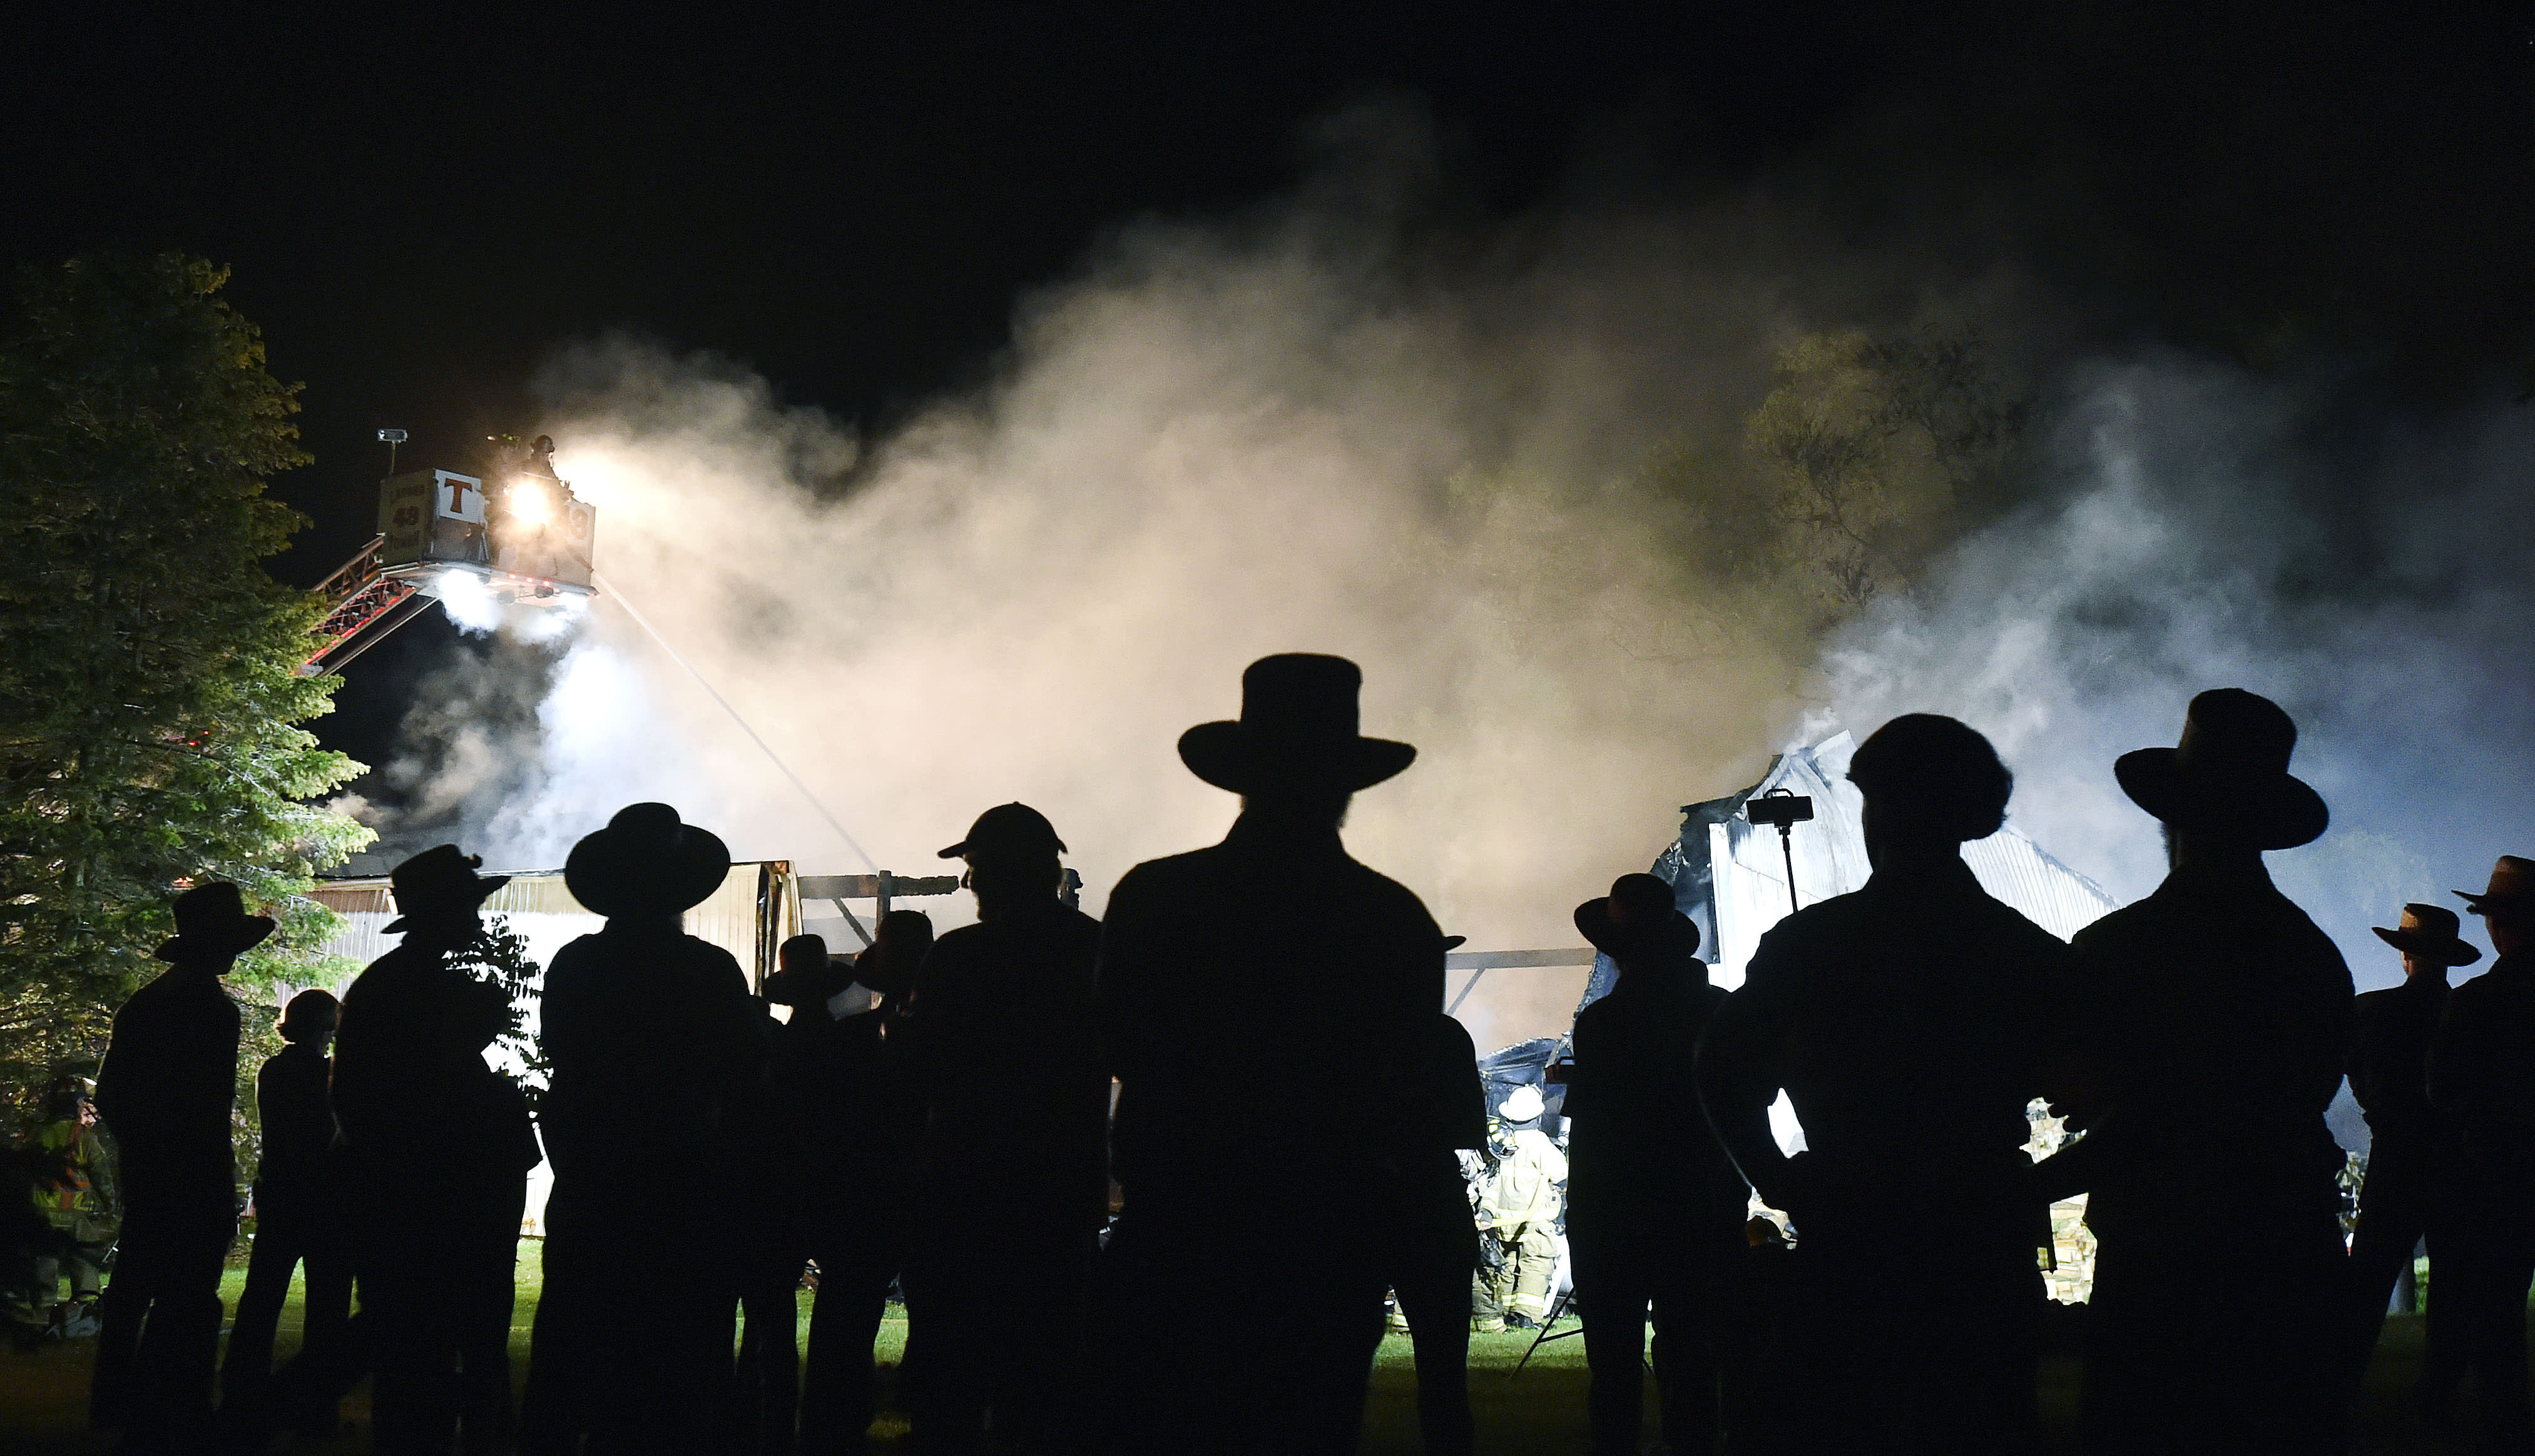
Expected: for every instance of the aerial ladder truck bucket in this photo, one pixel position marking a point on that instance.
(516, 533)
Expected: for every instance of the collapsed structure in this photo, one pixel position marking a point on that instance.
(1729, 874)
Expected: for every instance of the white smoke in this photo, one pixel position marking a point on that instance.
(1201, 454)
(478, 611)
(1300, 434)
(2377, 589)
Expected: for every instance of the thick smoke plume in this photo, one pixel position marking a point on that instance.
(2207, 529)
(1514, 477)
(1029, 598)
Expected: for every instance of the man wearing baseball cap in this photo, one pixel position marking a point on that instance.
(2482, 1075)
(1013, 1176)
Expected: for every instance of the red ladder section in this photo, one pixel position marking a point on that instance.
(363, 607)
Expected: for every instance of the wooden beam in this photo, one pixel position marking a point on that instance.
(870, 888)
(1479, 962)
(1491, 960)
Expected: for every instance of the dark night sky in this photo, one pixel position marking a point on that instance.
(851, 199)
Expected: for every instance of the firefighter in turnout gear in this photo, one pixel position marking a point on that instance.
(77, 1203)
(1519, 1206)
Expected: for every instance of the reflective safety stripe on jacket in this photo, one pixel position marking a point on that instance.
(1525, 1188)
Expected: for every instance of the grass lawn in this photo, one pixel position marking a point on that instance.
(1539, 1413)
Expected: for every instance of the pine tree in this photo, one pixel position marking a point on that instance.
(148, 705)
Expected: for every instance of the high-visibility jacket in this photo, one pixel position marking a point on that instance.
(83, 1199)
(1525, 1188)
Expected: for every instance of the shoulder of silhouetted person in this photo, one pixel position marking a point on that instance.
(1447, 1098)
(615, 997)
(1790, 954)
(1032, 964)
(1052, 926)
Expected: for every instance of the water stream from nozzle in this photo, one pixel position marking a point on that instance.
(607, 591)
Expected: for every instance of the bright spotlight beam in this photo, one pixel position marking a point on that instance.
(530, 505)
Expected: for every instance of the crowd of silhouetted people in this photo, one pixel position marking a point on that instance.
(1059, 1139)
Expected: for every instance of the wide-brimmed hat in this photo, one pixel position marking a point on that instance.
(1007, 830)
(2230, 767)
(211, 924)
(2511, 888)
(1521, 1105)
(646, 863)
(440, 880)
(1297, 730)
(900, 941)
(1638, 915)
(2430, 932)
(806, 974)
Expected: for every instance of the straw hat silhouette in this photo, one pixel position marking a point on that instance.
(1297, 730)
(899, 941)
(2510, 890)
(806, 974)
(2430, 932)
(645, 862)
(211, 924)
(2230, 767)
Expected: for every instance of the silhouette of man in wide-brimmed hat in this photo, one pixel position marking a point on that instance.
(1906, 1022)
(437, 1148)
(1654, 1208)
(1271, 955)
(2410, 1190)
(1013, 1184)
(651, 1034)
(2216, 1019)
(2482, 1076)
(166, 1091)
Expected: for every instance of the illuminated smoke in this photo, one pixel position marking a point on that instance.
(479, 610)
(1207, 450)
(2380, 591)
(1304, 433)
